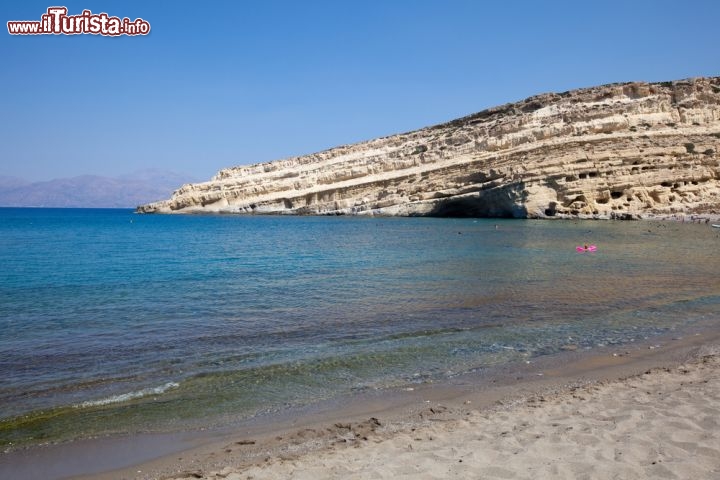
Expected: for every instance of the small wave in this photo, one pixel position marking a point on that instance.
(129, 396)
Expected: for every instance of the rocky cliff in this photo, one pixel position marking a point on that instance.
(617, 151)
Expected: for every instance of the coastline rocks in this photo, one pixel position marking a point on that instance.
(621, 151)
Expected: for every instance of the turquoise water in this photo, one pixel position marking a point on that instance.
(112, 322)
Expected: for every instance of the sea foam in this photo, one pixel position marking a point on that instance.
(129, 396)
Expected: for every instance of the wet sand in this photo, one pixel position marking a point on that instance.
(661, 424)
(641, 411)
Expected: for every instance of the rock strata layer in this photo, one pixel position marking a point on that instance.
(627, 151)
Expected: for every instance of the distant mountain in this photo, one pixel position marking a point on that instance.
(91, 191)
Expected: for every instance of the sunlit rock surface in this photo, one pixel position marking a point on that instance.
(630, 150)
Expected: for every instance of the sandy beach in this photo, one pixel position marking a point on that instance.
(661, 424)
(649, 412)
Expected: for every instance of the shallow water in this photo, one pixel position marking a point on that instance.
(114, 322)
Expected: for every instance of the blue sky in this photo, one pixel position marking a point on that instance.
(217, 84)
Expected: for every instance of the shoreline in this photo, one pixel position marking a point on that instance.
(688, 217)
(660, 423)
(326, 448)
(402, 405)
(377, 416)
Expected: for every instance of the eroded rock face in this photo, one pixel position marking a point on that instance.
(617, 151)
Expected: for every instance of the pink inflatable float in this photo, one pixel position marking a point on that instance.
(586, 248)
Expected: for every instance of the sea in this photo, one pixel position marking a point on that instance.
(113, 322)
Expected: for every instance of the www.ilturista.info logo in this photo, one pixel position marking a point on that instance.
(56, 21)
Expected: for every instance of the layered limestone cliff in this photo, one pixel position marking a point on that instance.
(618, 151)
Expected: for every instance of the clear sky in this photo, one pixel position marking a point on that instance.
(223, 83)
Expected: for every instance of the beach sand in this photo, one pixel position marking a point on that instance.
(649, 410)
(663, 422)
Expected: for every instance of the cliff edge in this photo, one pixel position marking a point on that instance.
(629, 150)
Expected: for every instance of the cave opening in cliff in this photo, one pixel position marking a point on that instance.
(474, 207)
